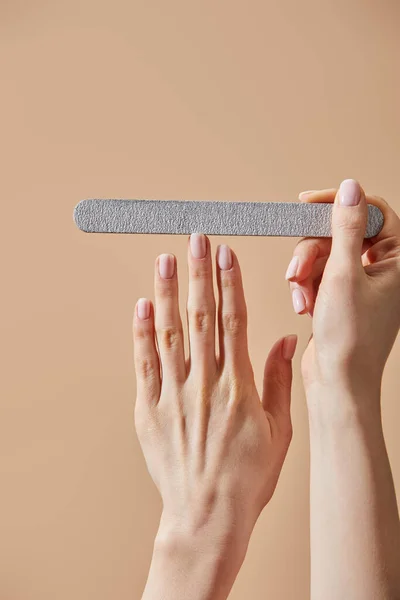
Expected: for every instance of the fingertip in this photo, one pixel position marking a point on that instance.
(166, 265)
(198, 245)
(350, 193)
(224, 257)
(306, 194)
(293, 267)
(318, 196)
(143, 309)
(288, 347)
(299, 301)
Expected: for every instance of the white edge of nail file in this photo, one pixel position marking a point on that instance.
(290, 219)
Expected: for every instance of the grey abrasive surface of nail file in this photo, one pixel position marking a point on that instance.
(290, 219)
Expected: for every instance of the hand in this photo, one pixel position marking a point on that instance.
(351, 287)
(213, 449)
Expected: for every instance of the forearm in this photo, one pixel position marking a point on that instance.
(193, 567)
(355, 533)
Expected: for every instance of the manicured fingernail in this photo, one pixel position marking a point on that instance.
(292, 268)
(198, 245)
(349, 193)
(166, 266)
(299, 302)
(224, 257)
(289, 347)
(143, 308)
(306, 193)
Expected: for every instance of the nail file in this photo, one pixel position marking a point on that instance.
(290, 219)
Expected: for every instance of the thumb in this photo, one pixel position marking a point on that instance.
(277, 384)
(349, 223)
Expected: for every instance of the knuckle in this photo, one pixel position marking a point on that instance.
(380, 200)
(169, 337)
(237, 388)
(393, 247)
(301, 245)
(351, 225)
(166, 290)
(141, 333)
(146, 368)
(228, 280)
(235, 391)
(307, 245)
(233, 323)
(201, 319)
(200, 272)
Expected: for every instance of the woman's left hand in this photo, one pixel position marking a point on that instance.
(213, 448)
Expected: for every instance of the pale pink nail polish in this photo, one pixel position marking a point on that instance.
(349, 193)
(299, 302)
(224, 258)
(289, 347)
(198, 246)
(143, 308)
(292, 268)
(166, 266)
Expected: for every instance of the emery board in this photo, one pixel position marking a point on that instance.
(180, 217)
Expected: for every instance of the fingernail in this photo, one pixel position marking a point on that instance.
(289, 347)
(299, 302)
(292, 268)
(143, 308)
(349, 192)
(166, 266)
(224, 258)
(198, 245)
(306, 193)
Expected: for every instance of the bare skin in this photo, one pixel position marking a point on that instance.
(351, 286)
(213, 447)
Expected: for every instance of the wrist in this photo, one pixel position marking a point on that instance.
(344, 403)
(193, 564)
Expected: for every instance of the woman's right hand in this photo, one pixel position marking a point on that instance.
(351, 288)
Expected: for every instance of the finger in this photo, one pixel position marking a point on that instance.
(349, 222)
(391, 224)
(384, 249)
(201, 304)
(304, 293)
(326, 195)
(308, 253)
(305, 254)
(309, 260)
(278, 379)
(232, 311)
(168, 322)
(303, 297)
(147, 365)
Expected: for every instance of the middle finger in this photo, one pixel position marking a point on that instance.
(201, 305)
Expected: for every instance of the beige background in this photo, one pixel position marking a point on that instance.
(220, 100)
